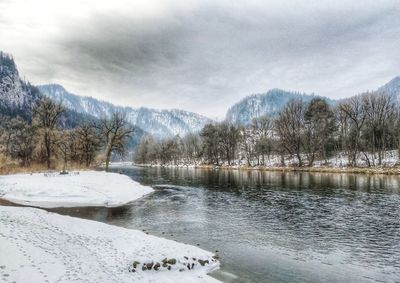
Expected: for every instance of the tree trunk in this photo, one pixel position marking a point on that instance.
(299, 159)
(108, 157)
(47, 143)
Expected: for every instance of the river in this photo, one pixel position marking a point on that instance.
(272, 226)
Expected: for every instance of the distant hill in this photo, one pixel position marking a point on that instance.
(269, 103)
(159, 123)
(273, 101)
(392, 88)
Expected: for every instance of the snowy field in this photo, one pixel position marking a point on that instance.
(39, 246)
(85, 188)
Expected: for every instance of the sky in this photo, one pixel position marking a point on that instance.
(205, 55)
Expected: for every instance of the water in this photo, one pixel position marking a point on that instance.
(272, 226)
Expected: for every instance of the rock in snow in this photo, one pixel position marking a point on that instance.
(85, 188)
(39, 246)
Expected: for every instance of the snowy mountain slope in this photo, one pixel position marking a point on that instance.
(16, 96)
(159, 123)
(392, 87)
(273, 101)
(269, 103)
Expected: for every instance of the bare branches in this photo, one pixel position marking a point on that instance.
(290, 127)
(45, 117)
(115, 133)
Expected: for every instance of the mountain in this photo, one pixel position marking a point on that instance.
(159, 123)
(17, 97)
(269, 103)
(392, 88)
(273, 101)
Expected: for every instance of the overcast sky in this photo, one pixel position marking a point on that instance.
(202, 56)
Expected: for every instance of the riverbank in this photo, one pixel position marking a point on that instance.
(39, 246)
(75, 189)
(8, 167)
(395, 170)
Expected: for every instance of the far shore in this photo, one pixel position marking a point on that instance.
(395, 170)
(392, 170)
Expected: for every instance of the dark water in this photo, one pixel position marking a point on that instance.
(273, 226)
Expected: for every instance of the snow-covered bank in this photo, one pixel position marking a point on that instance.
(38, 246)
(366, 163)
(85, 188)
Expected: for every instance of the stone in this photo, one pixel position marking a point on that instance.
(203, 262)
(172, 261)
(149, 265)
(157, 266)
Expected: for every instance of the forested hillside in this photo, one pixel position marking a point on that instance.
(159, 123)
(34, 130)
(363, 130)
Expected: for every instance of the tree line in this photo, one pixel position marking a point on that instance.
(364, 127)
(43, 140)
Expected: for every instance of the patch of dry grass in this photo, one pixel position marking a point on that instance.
(8, 167)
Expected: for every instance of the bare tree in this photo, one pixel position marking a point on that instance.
(379, 109)
(143, 150)
(17, 137)
(211, 144)
(87, 143)
(290, 127)
(192, 147)
(247, 144)
(355, 115)
(262, 129)
(228, 138)
(319, 127)
(65, 143)
(170, 150)
(45, 117)
(115, 133)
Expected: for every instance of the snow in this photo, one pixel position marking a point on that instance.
(39, 246)
(390, 158)
(159, 123)
(85, 188)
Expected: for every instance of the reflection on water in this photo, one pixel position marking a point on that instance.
(273, 226)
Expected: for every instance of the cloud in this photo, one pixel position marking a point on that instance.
(204, 55)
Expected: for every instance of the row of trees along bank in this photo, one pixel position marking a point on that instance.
(43, 140)
(363, 127)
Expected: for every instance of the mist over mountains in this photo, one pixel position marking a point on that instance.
(273, 101)
(17, 97)
(158, 123)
